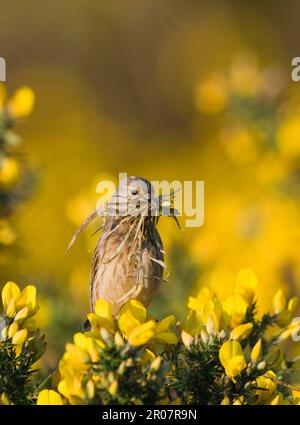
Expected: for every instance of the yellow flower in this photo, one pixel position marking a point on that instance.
(209, 312)
(266, 387)
(20, 337)
(187, 339)
(90, 389)
(4, 333)
(13, 329)
(155, 365)
(132, 314)
(28, 298)
(10, 292)
(241, 331)
(84, 351)
(193, 325)
(21, 103)
(256, 351)
(17, 304)
(204, 303)
(4, 399)
(232, 358)
(113, 388)
(102, 318)
(162, 331)
(142, 333)
(49, 397)
(73, 384)
(70, 386)
(246, 283)
(134, 325)
(236, 308)
(148, 356)
(212, 94)
(225, 401)
(9, 172)
(282, 308)
(7, 234)
(279, 302)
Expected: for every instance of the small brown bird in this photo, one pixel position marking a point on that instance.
(128, 260)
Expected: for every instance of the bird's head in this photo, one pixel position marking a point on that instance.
(133, 199)
(136, 197)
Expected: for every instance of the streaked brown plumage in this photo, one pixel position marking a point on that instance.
(129, 273)
(128, 258)
(121, 279)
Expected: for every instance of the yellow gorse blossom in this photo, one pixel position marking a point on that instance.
(21, 103)
(97, 365)
(17, 304)
(232, 358)
(266, 387)
(256, 351)
(49, 397)
(282, 308)
(12, 173)
(102, 318)
(73, 386)
(212, 95)
(7, 233)
(236, 307)
(246, 284)
(9, 172)
(187, 339)
(77, 359)
(207, 310)
(241, 331)
(21, 345)
(19, 307)
(78, 381)
(225, 401)
(4, 400)
(134, 325)
(83, 351)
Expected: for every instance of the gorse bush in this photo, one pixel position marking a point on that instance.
(118, 361)
(224, 353)
(21, 344)
(229, 354)
(15, 180)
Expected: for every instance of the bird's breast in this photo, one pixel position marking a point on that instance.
(119, 274)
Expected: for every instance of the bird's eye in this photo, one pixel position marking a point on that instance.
(134, 192)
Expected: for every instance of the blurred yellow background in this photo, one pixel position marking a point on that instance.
(188, 90)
